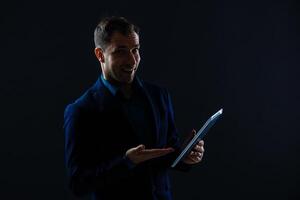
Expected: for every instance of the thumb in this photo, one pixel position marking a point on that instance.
(139, 148)
(194, 132)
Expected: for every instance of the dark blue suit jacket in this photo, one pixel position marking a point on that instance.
(97, 135)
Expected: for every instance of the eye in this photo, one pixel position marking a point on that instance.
(135, 50)
(120, 51)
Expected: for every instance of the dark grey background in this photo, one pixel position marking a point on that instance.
(238, 55)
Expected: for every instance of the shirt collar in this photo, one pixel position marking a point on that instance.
(112, 88)
(136, 84)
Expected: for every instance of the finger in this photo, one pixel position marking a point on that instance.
(158, 154)
(156, 151)
(194, 132)
(193, 159)
(195, 154)
(196, 157)
(189, 160)
(198, 148)
(202, 150)
(170, 149)
(139, 148)
(201, 143)
(149, 154)
(198, 154)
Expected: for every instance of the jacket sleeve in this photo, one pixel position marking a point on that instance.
(84, 174)
(173, 140)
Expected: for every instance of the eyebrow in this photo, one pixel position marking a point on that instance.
(125, 47)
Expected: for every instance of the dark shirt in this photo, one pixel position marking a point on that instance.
(137, 109)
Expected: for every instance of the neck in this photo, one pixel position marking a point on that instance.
(127, 90)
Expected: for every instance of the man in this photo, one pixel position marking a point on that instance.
(120, 136)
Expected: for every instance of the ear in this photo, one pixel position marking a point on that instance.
(99, 54)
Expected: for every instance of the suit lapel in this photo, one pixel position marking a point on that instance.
(104, 98)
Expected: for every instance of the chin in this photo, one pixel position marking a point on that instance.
(128, 80)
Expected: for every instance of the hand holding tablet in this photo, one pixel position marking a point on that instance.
(201, 133)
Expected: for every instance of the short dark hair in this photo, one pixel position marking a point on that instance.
(109, 25)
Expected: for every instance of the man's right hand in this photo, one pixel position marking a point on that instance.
(140, 154)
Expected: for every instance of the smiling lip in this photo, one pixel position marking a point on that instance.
(129, 70)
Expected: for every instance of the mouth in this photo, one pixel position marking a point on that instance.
(129, 71)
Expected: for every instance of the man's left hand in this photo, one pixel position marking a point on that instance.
(196, 155)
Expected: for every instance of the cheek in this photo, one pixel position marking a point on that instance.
(137, 58)
(115, 61)
(112, 63)
(110, 60)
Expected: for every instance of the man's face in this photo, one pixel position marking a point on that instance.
(121, 58)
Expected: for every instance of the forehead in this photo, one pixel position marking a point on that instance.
(130, 40)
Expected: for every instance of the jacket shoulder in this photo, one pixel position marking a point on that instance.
(84, 103)
(153, 88)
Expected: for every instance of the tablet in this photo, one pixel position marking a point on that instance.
(201, 133)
